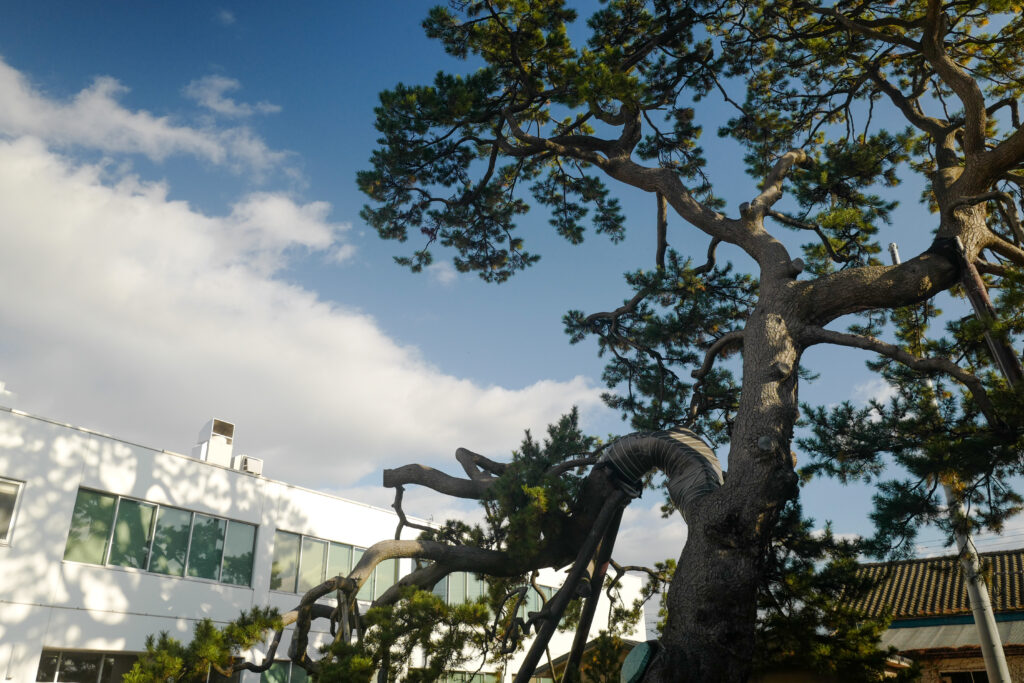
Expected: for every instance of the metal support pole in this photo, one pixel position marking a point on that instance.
(977, 591)
(604, 554)
(609, 512)
(974, 287)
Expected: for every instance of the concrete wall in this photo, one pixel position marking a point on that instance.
(48, 602)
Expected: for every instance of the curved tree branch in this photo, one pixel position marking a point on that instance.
(819, 335)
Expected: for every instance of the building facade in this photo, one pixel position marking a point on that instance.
(932, 621)
(105, 542)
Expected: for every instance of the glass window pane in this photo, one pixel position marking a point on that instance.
(170, 541)
(441, 589)
(474, 588)
(238, 552)
(456, 588)
(130, 544)
(385, 577)
(312, 564)
(79, 667)
(206, 547)
(299, 675)
(339, 560)
(115, 667)
(284, 570)
(278, 671)
(90, 527)
(366, 592)
(48, 666)
(8, 497)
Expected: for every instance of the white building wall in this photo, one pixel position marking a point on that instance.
(48, 602)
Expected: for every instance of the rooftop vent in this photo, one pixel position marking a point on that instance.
(214, 443)
(247, 463)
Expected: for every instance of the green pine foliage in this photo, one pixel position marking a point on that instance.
(211, 648)
(807, 615)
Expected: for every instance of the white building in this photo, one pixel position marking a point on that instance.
(103, 542)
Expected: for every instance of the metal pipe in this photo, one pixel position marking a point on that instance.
(609, 512)
(604, 554)
(977, 591)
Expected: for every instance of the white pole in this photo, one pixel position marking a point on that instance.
(977, 591)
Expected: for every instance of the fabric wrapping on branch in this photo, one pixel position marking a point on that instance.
(692, 469)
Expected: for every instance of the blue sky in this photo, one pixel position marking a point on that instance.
(180, 239)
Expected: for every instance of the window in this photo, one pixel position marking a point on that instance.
(99, 667)
(284, 672)
(109, 529)
(460, 587)
(303, 562)
(84, 667)
(470, 677)
(963, 677)
(9, 491)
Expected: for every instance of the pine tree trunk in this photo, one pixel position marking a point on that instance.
(712, 600)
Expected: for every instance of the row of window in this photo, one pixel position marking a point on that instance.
(107, 529)
(461, 587)
(97, 667)
(114, 530)
(302, 562)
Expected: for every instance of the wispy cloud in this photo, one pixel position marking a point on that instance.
(210, 92)
(95, 119)
(875, 389)
(225, 17)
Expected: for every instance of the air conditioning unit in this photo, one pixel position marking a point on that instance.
(251, 465)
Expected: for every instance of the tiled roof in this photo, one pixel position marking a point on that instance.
(935, 586)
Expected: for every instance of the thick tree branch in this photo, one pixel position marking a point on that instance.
(990, 268)
(1006, 249)
(937, 129)
(869, 287)
(772, 191)
(966, 88)
(479, 467)
(819, 335)
(436, 480)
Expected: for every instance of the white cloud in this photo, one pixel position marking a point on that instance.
(139, 316)
(443, 272)
(645, 537)
(209, 92)
(94, 119)
(875, 389)
(225, 17)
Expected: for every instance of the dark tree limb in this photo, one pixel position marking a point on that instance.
(479, 467)
(727, 341)
(818, 335)
(436, 480)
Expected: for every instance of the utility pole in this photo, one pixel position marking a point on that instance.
(977, 591)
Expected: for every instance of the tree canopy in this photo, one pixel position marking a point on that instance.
(833, 104)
